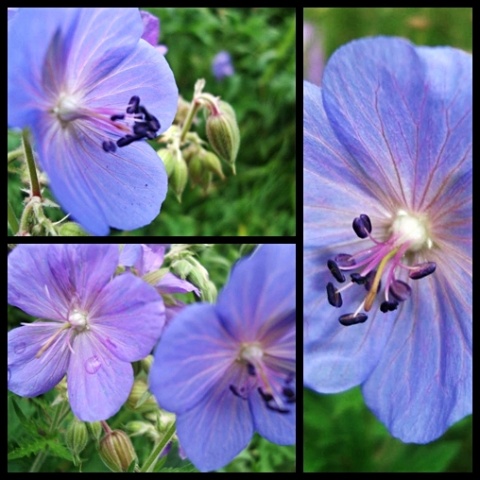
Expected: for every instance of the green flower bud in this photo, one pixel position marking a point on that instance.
(95, 429)
(140, 399)
(182, 109)
(76, 437)
(182, 268)
(212, 164)
(146, 363)
(178, 179)
(195, 170)
(71, 229)
(116, 451)
(168, 158)
(139, 428)
(223, 133)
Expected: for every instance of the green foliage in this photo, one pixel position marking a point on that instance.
(342, 435)
(423, 26)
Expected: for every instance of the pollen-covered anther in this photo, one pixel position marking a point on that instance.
(352, 318)
(334, 296)
(335, 270)
(422, 270)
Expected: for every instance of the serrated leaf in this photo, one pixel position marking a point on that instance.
(25, 450)
(58, 450)
(26, 423)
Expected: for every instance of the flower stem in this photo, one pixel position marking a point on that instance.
(12, 219)
(153, 458)
(27, 147)
(105, 426)
(188, 121)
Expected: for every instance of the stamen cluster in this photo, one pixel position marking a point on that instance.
(145, 125)
(381, 260)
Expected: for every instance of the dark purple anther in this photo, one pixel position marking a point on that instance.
(388, 306)
(108, 146)
(362, 226)
(235, 391)
(113, 118)
(153, 123)
(422, 270)
(127, 140)
(267, 397)
(140, 129)
(133, 104)
(289, 394)
(344, 260)
(334, 297)
(251, 369)
(357, 278)
(400, 290)
(335, 271)
(352, 319)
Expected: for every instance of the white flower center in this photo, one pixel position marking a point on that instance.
(67, 107)
(78, 319)
(252, 353)
(412, 229)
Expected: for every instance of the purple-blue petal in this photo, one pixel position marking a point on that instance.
(276, 427)
(170, 283)
(28, 375)
(216, 430)
(128, 317)
(144, 73)
(423, 381)
(130, 255)
(192, 356)
(42, 279)
(151, 28)
(90, 48)
(123, 189)
(261, 287)
(381, 95)
(98, 383)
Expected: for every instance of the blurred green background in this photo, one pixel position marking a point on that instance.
(260, 199)
(340, 432)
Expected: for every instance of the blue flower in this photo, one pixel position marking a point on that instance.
(387, 144)
(222, 65)
(92, 326)
(92, 90)
(228, 370)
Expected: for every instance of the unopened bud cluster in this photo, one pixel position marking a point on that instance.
(187, 156)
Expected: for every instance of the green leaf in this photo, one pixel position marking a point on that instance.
(34, 447)
(186, 468)
(427, 458)
(27, 423)
(58, 450)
